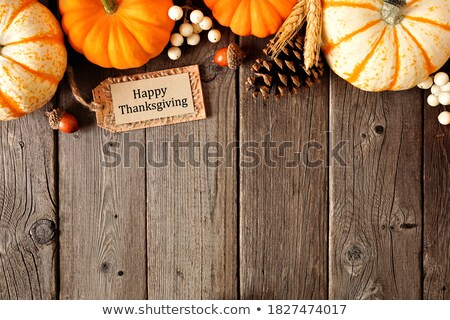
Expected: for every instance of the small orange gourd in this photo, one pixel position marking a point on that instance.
(260, 18)
(33, 58)
(121, 34)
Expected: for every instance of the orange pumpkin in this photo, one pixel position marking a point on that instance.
(121, 34)
(260, 18)
(33, 57)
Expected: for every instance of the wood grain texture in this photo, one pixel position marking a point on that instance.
(436, 266)
(283, 205)
(102, 206)
(375, 199)
(192, 205)
(27, 199)
(27, 196)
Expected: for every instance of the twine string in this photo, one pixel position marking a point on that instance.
(93, 106)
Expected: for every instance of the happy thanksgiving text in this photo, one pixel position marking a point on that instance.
(151, 102)
(152, 98)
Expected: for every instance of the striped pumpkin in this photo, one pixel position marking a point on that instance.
(379, 45)
(32, 57)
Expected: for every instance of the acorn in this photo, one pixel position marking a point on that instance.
(63, 121)
(231, 56)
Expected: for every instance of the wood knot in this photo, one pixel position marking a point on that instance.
(209, 70)
(43, 231)
(355, 254)
(105, 267)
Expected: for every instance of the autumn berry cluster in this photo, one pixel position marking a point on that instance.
(190, 29)
(440, 93)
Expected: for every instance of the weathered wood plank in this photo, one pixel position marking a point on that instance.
(436, 205)
(102, 206)
(192, 206)
(283, 205)
(28, 219)
(27, 202)
(375, 199)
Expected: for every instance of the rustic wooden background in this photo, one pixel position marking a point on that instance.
(376, 228)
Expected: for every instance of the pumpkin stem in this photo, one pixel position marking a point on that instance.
(110, 6)
(392, 11)
(397, 3)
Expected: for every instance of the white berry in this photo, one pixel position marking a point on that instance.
(214, 35)
(435, 89)
(206, 23)
(193, 40)
(444, 98)
(446, 88)
(196, 16)
(444, 118)
(176, 39)
(426, 84)
(433, 100)
(441, 79)
(175, 13)
(197, 28)
(186, 29)
(174, 53)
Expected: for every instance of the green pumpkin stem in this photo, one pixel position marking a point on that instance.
(110, 6)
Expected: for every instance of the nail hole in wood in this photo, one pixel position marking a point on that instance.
(379, 129)
(116, 216)
(22, 144)
(43, 231)
(120, 273)
(363, 135)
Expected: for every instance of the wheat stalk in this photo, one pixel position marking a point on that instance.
(313, 33)
(289, 28)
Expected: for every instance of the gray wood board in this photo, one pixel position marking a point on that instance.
(192, 202)
(375, 199)
(102, 205)
(283, 205)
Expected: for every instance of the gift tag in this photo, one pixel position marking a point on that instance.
(150, 99)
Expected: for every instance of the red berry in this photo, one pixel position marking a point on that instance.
(221, 57)
(68, 123)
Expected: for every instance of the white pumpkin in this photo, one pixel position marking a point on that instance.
(33, 58)
(380, 45)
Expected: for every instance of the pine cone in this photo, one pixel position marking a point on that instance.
(284, 74)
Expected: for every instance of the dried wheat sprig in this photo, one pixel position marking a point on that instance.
(288, 29)
(313, 33)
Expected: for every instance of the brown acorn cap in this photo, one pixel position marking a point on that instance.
(235, 56)
(54, 117)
